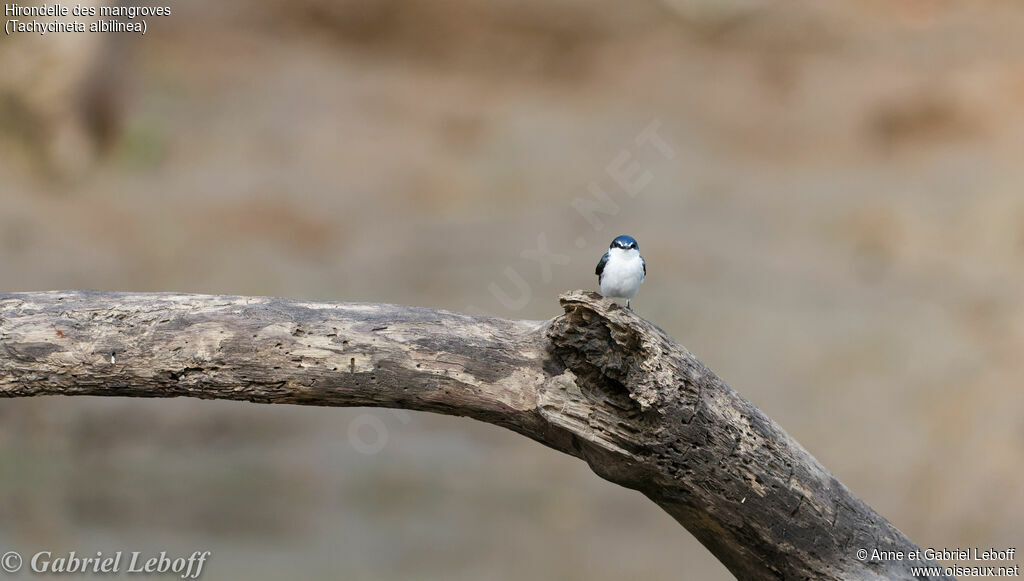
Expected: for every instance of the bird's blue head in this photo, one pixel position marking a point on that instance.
(624, 242)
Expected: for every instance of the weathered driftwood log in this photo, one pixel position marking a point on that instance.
(597, 382)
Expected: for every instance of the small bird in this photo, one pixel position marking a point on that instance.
(621, 269)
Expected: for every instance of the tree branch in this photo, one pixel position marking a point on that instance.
(598, 383)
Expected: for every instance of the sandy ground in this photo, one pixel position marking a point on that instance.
(839, 233)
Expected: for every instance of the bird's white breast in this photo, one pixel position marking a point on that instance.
(622, 274)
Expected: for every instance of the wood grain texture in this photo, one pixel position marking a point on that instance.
(598, 383)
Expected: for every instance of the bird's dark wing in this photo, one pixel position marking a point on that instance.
(644, 262)
(600, 266)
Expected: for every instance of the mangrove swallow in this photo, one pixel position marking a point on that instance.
(621, 269)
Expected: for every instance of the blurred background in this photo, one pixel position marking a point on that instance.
(833, 222)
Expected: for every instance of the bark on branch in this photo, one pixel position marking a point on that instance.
(597, 382)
